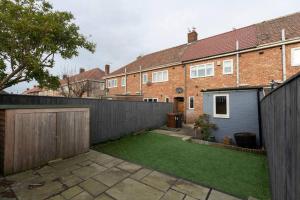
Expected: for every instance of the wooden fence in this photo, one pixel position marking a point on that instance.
(109, 119)
(281, 130)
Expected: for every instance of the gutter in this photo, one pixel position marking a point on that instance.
(283, 56)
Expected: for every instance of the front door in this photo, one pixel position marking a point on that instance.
(179, 104)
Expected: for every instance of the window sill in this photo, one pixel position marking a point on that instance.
(221, 116)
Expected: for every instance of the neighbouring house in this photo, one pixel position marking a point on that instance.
(234, 110)
(88, 83)
(33, 91)
(249, 56)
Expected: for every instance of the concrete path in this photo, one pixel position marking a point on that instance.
(101, 177)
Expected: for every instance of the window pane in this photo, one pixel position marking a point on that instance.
(221, 107)
(201, 71)
(165, 75)
(296, 57)
(154, 100)
(193, 72)
(209, 70)
(154, 77)
(145, 78)
(149, 100)
(167, 100)
(191, 102)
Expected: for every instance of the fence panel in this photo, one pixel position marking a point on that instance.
(109, 119)
(281, 131)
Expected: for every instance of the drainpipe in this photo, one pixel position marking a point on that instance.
(283, 55)
(141, 80)
(125, 80)
(185, 93)
(259, 119)
(237, 64)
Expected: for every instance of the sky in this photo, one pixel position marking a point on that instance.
(123, 29)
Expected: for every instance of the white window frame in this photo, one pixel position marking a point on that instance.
(145, 75)
(231, 61)
(123, 81)
(147, 100)
(163, 80)
(293, 50)
(227, 115)
(191, 97)
(109, 85)
(202, 66)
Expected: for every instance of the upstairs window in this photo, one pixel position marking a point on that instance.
(160, 76)
(112, 83)
(221, 106)
(295, 54)
(228, 67)
(123, 82)
(202, 70)
(145, 78)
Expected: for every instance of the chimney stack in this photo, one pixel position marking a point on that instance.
(192, 36)
(107, 69)
(81, 70)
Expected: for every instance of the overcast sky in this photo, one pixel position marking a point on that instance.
(124, 30)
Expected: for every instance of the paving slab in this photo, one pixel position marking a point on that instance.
(47, 190)
(111, 176)
(173, 195)
(100, 158)
(141, 174)
(72, 192)
(88, 171)
(93, 187)
(159, 181)
(83, 196)
(130, 189)
(57, 197)
(130, 167)
(70, 180)
(191, 198)
(191, 189)
(104, 197)
(113, 163)
(216, 195)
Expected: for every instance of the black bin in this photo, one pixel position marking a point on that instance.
(245, 140)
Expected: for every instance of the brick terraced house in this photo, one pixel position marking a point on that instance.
(249, 56)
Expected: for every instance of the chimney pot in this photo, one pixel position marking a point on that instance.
(192, 36)
(64, 76)
(81, 70)
(107, 69)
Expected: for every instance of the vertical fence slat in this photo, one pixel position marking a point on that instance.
(281, 126)
(109, 119)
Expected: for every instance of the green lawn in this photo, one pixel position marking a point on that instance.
(238, 173)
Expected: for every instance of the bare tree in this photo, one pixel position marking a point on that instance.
(72, 85)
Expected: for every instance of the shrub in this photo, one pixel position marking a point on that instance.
(205, 126)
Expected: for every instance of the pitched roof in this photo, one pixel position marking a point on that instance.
(248, 37)
(167, 56)
(93, 74)
(270, 31)
(35, 89)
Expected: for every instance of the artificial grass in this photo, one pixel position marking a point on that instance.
(238, 173)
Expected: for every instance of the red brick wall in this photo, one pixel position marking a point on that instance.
(195, 85)
(116, 90)
(165, 89)
(256, 68)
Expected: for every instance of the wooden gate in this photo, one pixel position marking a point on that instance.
(33, 137)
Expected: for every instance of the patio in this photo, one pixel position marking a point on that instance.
(95, 175)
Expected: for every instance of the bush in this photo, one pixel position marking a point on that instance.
(205, 126)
